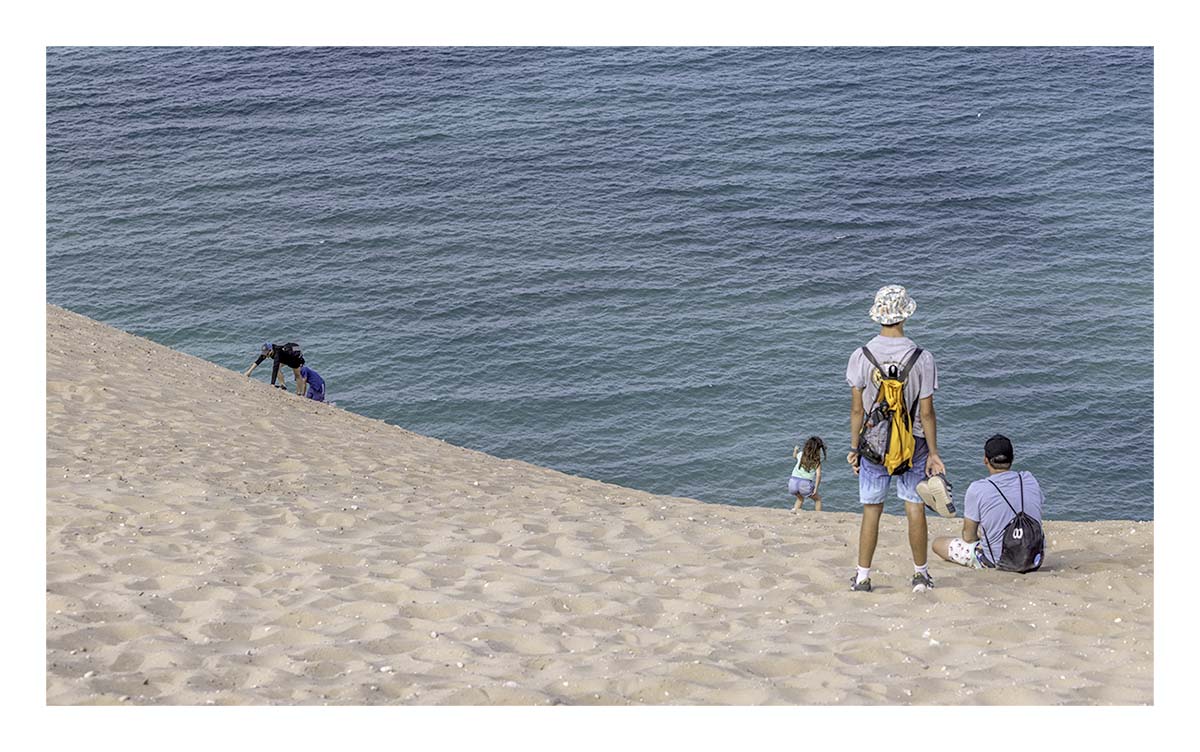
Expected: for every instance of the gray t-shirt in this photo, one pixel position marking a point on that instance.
(922, 379)
(985, 506)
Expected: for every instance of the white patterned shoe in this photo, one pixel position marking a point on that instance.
(935, 491)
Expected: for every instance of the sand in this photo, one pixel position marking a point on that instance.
(211, 540)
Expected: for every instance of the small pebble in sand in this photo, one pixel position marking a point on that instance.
(433, 634)
(1117, 620)
(89, 675)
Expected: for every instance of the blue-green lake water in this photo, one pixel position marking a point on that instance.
(642, 265)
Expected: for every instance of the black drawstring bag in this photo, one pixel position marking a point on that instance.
(1024, 543)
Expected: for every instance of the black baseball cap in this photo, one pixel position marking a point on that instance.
(998, 449)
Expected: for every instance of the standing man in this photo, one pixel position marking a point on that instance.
(896, 355)
(992, 503)
(288, 354)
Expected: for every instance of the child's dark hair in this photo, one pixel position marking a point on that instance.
(813, 452)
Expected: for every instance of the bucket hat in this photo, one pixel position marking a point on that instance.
(892, 305)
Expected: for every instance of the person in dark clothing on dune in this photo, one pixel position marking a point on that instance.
(289, 354)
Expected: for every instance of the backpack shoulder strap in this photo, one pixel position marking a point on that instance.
(1021, 480)
(985, 539)
(1002, 496)
(912, 361)
(871, 358)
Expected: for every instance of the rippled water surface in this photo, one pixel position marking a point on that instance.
(647, 266)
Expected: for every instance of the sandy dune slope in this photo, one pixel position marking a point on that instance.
(212, 540)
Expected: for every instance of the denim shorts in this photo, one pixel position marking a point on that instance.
(802, 486)
(874, 482)
(315, 394)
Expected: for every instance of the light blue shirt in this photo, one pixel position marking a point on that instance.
(799, 472)
(985, 505)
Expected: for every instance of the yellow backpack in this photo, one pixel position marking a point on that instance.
(887, 433)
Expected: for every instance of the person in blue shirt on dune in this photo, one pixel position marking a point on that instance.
(990, 506)
(311, 384)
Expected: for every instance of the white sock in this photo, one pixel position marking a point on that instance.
(923, 569)
(864, 573)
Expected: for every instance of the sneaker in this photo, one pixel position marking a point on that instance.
(862, 587)
(921, 582)
(935, 491)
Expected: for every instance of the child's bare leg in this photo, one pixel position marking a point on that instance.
(816, 497)
(799, 503)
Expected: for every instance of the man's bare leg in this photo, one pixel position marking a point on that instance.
(799, 503)
(918, 532)
(941, 547)
(868, 534)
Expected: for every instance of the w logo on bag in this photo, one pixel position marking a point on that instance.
(1018, 533)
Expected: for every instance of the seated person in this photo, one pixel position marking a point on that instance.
(991, 504)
